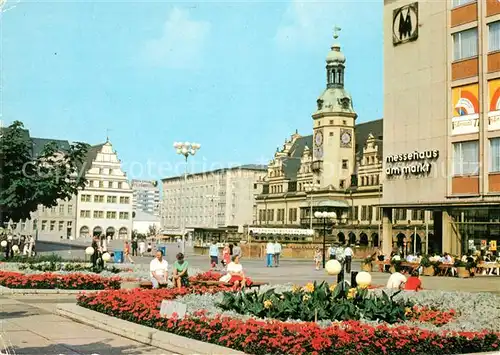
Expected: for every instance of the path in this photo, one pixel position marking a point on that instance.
(28, 327)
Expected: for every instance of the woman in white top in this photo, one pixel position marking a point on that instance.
(235, 269)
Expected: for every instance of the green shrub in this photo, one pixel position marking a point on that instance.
(317, 302)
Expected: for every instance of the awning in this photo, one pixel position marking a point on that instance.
(280, 231)
(325, 203)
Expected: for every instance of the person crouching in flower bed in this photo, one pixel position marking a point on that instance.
(180, 272)
(235, 269)
(159, 270)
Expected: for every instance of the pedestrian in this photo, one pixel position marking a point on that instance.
(331, 251)
(158, 268)
(317, 258)
(226, 255)
(142, 247)
(277, 253)
(95, 246)
(134, 247)
(214, 254)
(237, 250)
(269, 254)
(348, 258)
(126, 251)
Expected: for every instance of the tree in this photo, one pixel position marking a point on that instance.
(152, 230)
(27, 181)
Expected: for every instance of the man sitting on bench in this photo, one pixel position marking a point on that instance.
(159, 270)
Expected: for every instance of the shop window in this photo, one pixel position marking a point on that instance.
(494, 36)
(466, 158)
(465, 44)
(495, 155)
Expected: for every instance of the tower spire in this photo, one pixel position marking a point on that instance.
(335, 61)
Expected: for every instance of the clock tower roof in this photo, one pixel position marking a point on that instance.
(335, 100)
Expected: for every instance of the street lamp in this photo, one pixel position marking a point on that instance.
(310, 188)
(325, 216)
(185, 149)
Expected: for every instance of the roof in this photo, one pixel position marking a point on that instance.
(91, 155)
(291, 163)
(254, 167)
(362, 130)
(39, 143)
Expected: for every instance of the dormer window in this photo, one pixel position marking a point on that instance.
(320, 104)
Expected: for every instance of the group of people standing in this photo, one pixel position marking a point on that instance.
(339, 253)
(273, 253)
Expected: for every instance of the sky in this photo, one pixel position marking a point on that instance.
(236, 77)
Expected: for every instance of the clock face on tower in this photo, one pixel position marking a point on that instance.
(318, 138)
(318, 153)
(345, 138)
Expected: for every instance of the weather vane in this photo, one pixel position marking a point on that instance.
(107, 134)
(336, 31)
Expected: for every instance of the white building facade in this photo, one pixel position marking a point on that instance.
(105, 205)
(146, 196)
(219, 198)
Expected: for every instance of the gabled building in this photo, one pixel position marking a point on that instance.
(105, 205)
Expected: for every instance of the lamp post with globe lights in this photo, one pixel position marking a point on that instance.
(310, 188)
(185, 149)
(325, 216)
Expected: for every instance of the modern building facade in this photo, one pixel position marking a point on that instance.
(336, 169)
(146, 196)
(441, 121)
(211, 200)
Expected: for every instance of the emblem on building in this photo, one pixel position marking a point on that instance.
(405, 24)
(345, 138)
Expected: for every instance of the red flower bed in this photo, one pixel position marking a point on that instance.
(74, 281)
(206, 276)
(274, 337)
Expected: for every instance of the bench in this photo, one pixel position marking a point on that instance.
(218, 283)
(148, 285)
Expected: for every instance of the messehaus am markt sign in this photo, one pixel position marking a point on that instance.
(407, 164)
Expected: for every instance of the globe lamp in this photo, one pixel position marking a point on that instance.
(106, 257)
(15, 248)
(363, 279)
(333, 267)
(89, 251)
(3, 243)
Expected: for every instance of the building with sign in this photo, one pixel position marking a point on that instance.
(441, 121)
(336, 169)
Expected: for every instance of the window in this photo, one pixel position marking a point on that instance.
(124, 215)
(363, 213)
(124, 199)
(101, 183)
(330, 134)
(331, 121)
(85, 214)
(35, 224)
(69, 224)
(465, 44)
(44, 225)
(494, 36)
(292, 214)
(70, 209)
(345, 163)
(85, 198)
(111, 215)
(111, 199)
(342, 184)
(60, 226)
(61, 209)
(53, 210)
(120, 185)
(466, 158)
(356, 213)
(98, 214)
(495, 155)
(456, 3)
(99, 198)
(377, 214)
(52, 225)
